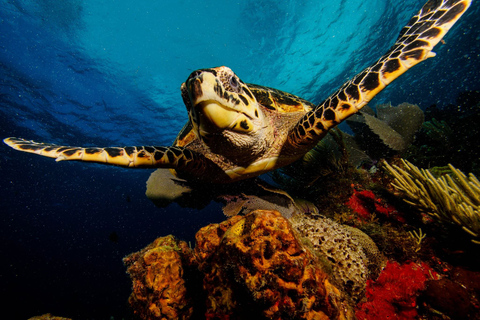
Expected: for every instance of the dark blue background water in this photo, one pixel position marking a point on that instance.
(108, 73)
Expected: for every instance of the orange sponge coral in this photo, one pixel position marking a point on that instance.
(159, 287)
(257, 265)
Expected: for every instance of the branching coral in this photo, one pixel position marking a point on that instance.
(452, 198)
(418, 237)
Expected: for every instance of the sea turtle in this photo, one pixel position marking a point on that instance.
(238, 130)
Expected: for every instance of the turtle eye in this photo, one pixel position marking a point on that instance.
(194, 74)
(234, 84)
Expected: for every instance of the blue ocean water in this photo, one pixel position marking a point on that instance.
(104, 73)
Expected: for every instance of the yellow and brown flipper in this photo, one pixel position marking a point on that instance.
(414, 44)
(178, 158)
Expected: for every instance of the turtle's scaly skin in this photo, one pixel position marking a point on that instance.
(182, 159)
(238, 130)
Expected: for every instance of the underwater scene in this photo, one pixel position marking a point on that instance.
(196, 191)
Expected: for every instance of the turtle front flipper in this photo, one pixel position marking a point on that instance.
(414, 44)
(178, 158)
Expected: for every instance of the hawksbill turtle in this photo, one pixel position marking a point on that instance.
(238, 130)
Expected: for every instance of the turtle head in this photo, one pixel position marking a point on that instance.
(224, 113)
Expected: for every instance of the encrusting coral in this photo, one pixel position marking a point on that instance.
(393, 295)
(452, 198)
(353, 256)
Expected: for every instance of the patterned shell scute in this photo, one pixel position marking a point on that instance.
(276, 100)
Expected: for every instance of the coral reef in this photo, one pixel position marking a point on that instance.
(353, 256)
(325, 174)
(159, 285)
(258, 264)
(255, 266)
(48, 316)
(296, 264)
(329, 157)
(388, 132)
(450, 135)
(393, 295)
(451, 198)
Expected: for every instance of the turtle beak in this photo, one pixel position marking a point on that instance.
(193, 84)
(186, 97)
(191, 88)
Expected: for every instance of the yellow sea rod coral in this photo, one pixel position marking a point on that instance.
(452, 198)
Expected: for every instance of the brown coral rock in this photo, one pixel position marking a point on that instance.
(467, 278)
(159, 287)
(256, 266)
(450, 298)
